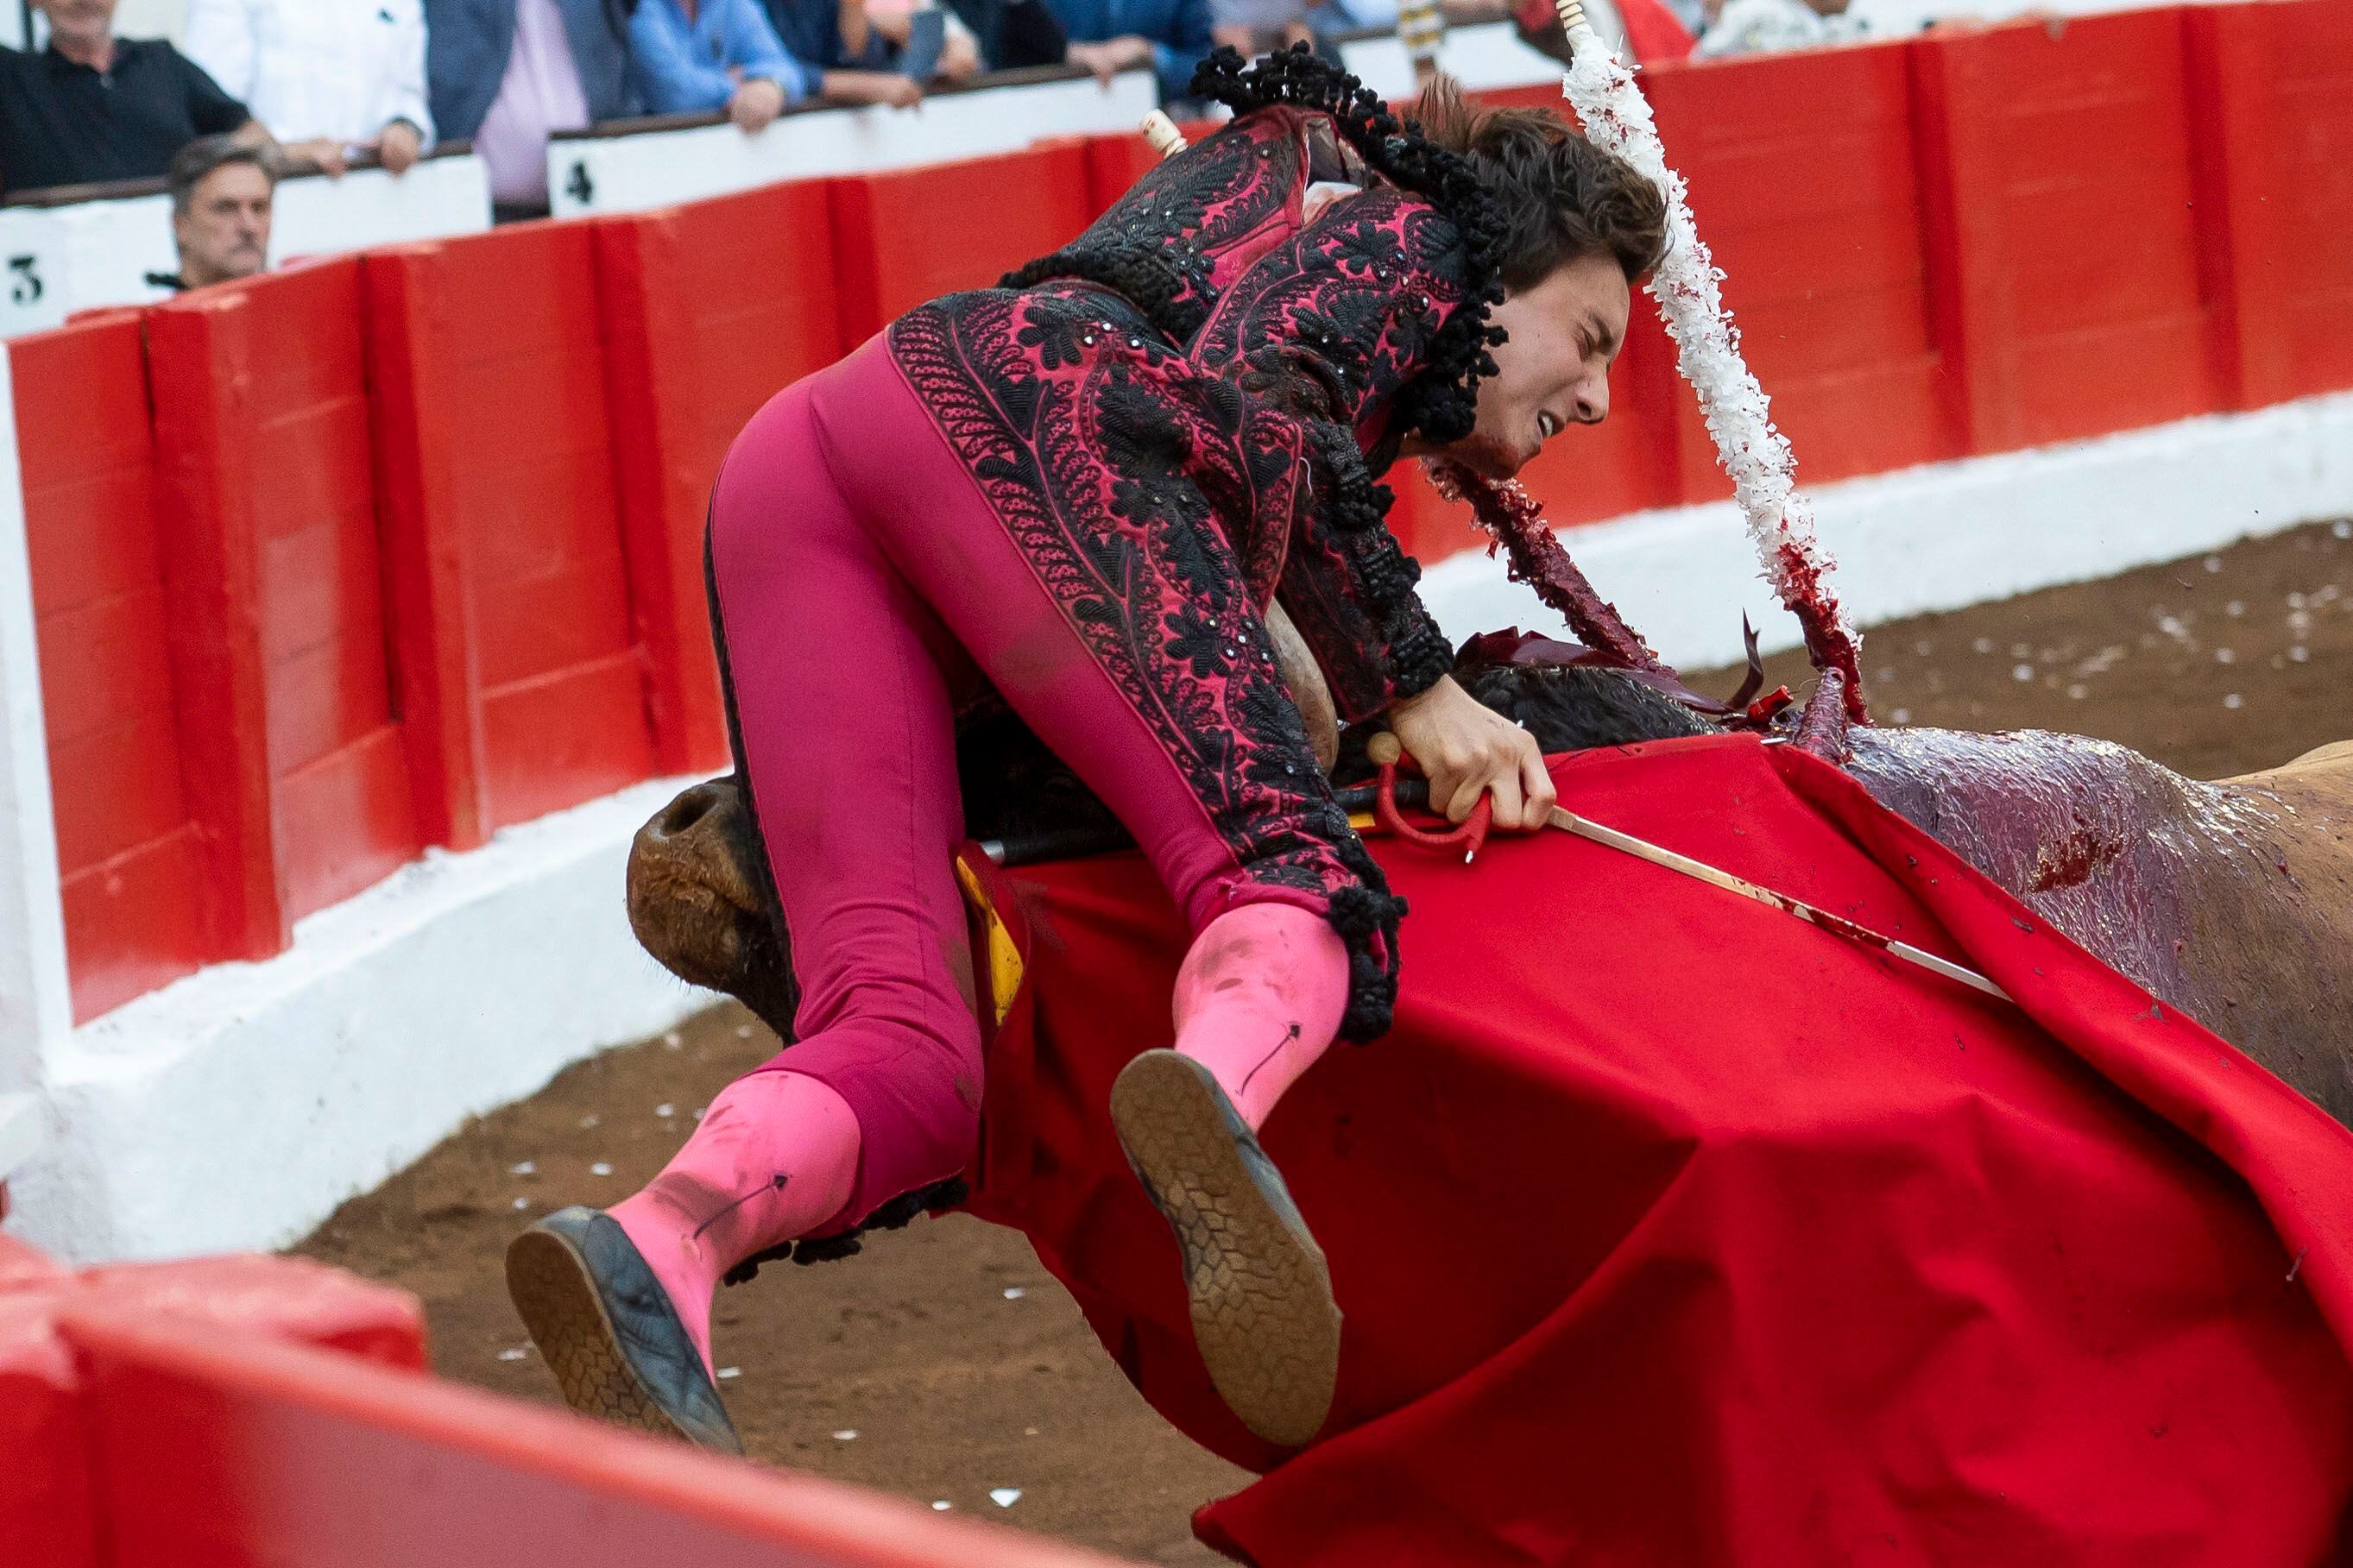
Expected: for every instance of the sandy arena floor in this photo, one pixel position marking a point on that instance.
(944, 1364)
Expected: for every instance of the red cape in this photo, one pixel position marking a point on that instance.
(1673, 1230)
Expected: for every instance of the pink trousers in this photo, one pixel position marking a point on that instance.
(860, 577)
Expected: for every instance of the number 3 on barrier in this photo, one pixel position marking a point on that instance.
(25, 286)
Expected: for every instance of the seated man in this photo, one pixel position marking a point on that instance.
(325, 76)
(93, 108)
(507, 74)
(694, 56)
(1108, 37)
(221, 192)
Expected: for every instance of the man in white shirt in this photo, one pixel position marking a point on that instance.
(325, 76)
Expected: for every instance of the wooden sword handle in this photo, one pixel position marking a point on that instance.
(1161, 132)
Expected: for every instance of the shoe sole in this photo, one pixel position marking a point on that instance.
(1263, 1313)
(558, 1301)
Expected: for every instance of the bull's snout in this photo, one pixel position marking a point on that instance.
(694, 808)
(701, 843)
(694, 886)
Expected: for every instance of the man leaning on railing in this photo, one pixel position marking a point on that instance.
(507, 74)
(91, 108)
(326, 76)
(698, 56)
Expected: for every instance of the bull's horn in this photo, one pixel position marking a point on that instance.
(1308, 688)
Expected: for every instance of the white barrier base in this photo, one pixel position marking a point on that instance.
(1948, 534)
(235, 1109)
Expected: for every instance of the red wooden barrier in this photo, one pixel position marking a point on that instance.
(213, 1454)
(51, 1508)
(514, 628)
(2272, 124)
(275, 596)
(2062, 226)
(1804, 184)
(907, 236)
(708, 309)
(137, 888)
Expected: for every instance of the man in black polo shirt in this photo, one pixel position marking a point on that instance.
(92, 107)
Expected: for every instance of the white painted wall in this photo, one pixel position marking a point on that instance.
(236, 1108)
(660, 168)
(1946, 534)
(36, 1010)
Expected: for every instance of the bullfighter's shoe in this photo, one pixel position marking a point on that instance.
(1263, 1314)
(608, 1331)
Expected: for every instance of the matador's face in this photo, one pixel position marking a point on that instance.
(1553, 369)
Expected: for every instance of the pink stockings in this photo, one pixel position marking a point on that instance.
(860, 578)
(1258, 999)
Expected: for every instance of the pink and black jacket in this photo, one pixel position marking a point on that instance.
(1172, 418)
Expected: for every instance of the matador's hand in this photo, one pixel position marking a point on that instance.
(1468, 750)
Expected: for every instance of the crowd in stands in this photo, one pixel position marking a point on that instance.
(266, 85)
(330, 83)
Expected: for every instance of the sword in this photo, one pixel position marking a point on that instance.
(1568, 821)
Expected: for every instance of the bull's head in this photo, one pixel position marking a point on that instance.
(698, 892)
(699, 902)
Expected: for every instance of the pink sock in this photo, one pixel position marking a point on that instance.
(1258, 999)
(774, 1157)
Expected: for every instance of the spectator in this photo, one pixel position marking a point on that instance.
(1765, 26)
(856, 54)
(91, 106)
(1257, 27)
(1108, 37)
(325, 76)
(1012, 33)
(699, 56)
(508, 74)
(221, 190)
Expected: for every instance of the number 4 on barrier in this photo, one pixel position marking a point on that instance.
(578, 186)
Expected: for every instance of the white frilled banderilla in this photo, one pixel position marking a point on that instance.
(1687, 287)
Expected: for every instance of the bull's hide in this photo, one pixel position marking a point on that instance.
(1673, 1230)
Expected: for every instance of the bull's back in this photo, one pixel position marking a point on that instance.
(2233, 901)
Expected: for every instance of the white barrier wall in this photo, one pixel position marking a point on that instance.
(55, 261)
(36, 1009)
(600, 172)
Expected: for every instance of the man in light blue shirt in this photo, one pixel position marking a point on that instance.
(700, 56)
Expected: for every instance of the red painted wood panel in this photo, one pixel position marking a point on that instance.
(138, 901)
(494, 432)
(1805, 186)
(274, 370)
(706, 317)
(2062, 221)
(2271, 123)
(226, 1450)
(907, 236)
